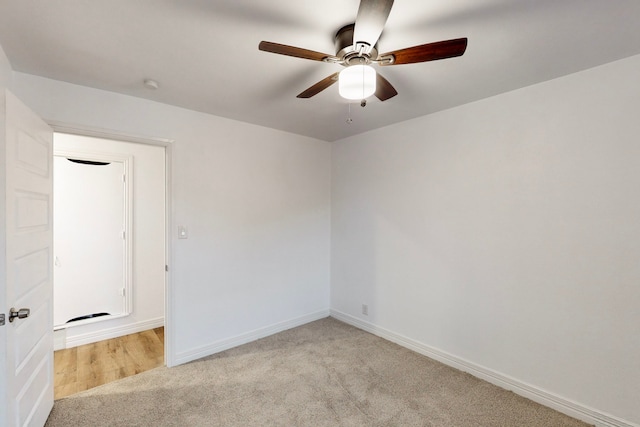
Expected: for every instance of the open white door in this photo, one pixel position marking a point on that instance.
(29, 266)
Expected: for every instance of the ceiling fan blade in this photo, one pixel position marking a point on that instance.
(320, 86)
(384, 90)
(372, 15)
(297, 52)
(426, 52)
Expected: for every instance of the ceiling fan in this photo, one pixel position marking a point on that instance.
(356, 49)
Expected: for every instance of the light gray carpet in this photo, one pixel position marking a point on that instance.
(325, 373)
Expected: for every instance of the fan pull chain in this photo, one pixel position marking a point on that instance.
(349, 119)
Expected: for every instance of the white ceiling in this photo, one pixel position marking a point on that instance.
(204, 53)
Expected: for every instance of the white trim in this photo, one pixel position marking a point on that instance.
(81, 130)
(59, 339)
(225, 344)
(543, 397)
(109, 333)
(169, 297)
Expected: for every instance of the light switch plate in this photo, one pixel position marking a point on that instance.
(183, 233)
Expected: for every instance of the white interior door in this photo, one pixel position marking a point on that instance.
(29, 266)
(89, 240)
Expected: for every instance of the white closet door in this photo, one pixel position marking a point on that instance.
(89, 241)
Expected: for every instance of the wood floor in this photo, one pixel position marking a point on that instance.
(87, 366)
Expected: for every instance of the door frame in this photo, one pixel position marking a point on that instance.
(167, 144)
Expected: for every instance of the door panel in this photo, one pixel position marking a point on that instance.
(89, 246)
(29, 242)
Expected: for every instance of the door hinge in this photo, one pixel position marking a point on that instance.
(166, 267)
(1, 319)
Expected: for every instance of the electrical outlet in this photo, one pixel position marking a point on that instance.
(365, 309)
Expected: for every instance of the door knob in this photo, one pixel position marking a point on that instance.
(18, 314)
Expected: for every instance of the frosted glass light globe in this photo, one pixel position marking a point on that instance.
(357, 82)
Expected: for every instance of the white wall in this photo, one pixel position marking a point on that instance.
(6, 73)
(503, 232)
(506, 234)
(148, 223)
(256, 204)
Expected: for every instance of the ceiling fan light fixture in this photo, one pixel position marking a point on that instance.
(357, 82)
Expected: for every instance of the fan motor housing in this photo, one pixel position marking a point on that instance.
(346, 51)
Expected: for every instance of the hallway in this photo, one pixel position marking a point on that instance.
(87, 366)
